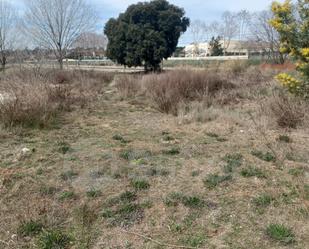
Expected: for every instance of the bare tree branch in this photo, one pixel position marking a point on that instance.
(8, 20)
(56, 24)
(266, 37)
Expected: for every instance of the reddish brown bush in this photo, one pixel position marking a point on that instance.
(167, 90)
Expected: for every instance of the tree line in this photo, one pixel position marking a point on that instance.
(144, 35)
(253, 30)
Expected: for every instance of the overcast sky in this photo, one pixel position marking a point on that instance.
(207, 10)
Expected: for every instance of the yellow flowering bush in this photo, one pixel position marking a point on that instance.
(293, 85)
(305, 52)
(294, 37)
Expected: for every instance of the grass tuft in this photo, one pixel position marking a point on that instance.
(285, 139)
(280, 233)
(268, 157)
(172, 151)
(29, 228)
(140, 184)
(252, 171)
(63, 147)
(263, 200)
(93, 193)
(213, 180)
(67, 195)
(54, 239)
(120, 138)
(233, 161)
(123, 210)
(195, 241)
(175, 198)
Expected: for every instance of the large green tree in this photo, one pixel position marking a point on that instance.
(145, 34)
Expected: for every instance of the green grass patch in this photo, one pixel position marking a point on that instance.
(134, 155)
(297, 171)
(140, 184)
(263, 200)
(215, 137)
(193, 202)
(54, 239)
(232, 161)
(176, 198)
(306, 192)
(280, 233)
(30, 228)
(124, 210)
(172, 151)
(125, 214)
(252, 172)
(93, 193)
(285, 139)
(222, 139)
(67, 195)
(167, 137)
(213, 180)
(289, 197)
(124, 197)
(211, 134)
(120, 138)
(194, 240)
(268, 157)
(63, 147)
(195, 173)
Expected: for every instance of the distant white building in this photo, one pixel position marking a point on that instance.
(231, 48)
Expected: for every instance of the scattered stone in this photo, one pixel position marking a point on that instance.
(25, 153)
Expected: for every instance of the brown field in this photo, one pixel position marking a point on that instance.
(212, 158)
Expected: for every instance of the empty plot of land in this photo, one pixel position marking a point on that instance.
(144, 161)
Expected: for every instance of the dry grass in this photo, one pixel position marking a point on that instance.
(36, 98)
(288, 111)
(28, 105)
(127, 85)
(169, 89)
(121, 174)
(196, 112)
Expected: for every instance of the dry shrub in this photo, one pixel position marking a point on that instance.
(62, 77)
(35, 98)
(289, 111)
(27, 105)
(252, 84)
(253, 75)
(236, 67)
(127, 85)
(168, 90)
(196, 112)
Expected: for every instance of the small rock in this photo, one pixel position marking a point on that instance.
(25, 151)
